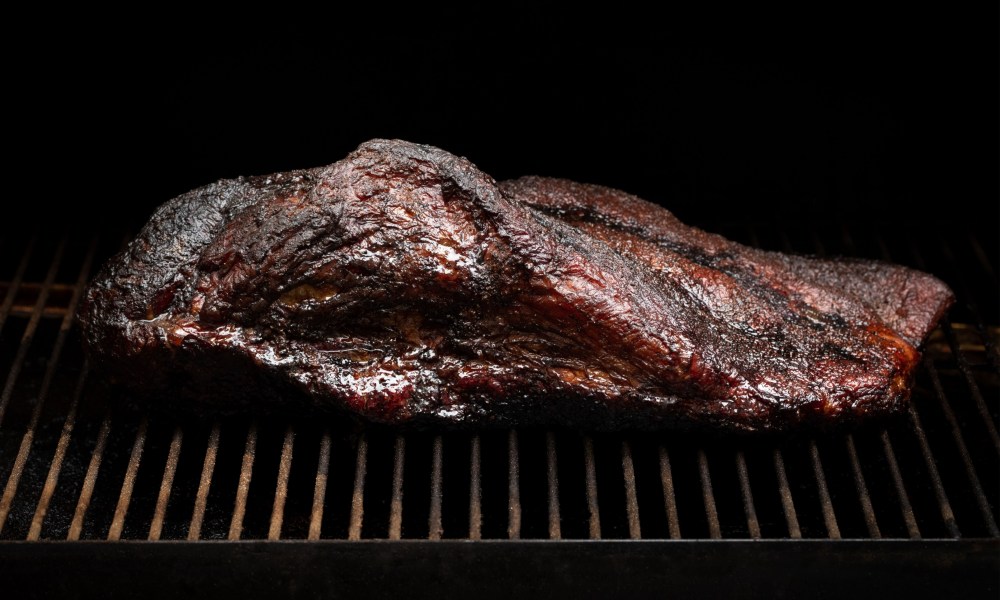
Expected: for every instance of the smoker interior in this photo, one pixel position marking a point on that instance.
(75, 467)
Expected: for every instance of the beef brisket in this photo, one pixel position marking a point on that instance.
(406, 286)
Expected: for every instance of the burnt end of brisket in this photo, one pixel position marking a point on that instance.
(405, 286)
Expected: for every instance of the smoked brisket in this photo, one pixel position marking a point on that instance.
(405, 286)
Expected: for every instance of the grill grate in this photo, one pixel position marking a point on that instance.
(73, 469)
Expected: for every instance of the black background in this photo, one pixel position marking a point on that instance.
(828, 115)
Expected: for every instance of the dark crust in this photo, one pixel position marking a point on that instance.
(405, 286)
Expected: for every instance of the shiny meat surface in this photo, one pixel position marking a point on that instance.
(405, 286)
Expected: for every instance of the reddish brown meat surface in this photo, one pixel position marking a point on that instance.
(405, 286)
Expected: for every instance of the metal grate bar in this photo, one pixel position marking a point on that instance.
(963, 366)
(49, 312)
(631, 497)
(35, 286)
(319, 490)
(513, 488)
(669, 498)
(166, 484)
(956, 432)
(552, 474)
(897, 479)
(243, 488)
(977, 394)
(826, 503)
(15, 284)
(90, 479)
(753, 526)
(981, 255)
(281, 490)
(944, 505)
(358, 496)
(475, 491)
(883, 250)
(27, 439)
(947, 515)
(946, 511)
(593, 509)
(829, 516)
(787, 502)
(204, 483)
(29, 332)
(128, 483)
(435, 528)
(711, 514)
(992, 353)
(989, 344)
(890, 455)
(859, 481)
(55, 466)
(396, 506)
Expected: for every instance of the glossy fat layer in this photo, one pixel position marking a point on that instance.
(405, 286)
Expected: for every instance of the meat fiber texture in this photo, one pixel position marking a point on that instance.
(405, 286)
